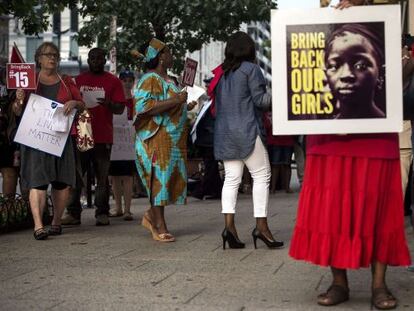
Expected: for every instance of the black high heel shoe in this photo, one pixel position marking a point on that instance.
(231, 240)
(256, 234)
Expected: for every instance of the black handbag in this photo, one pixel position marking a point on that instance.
(408, 100)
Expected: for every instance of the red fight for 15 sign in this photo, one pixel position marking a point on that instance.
(21, 76)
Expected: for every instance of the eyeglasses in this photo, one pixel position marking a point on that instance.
(51, 55)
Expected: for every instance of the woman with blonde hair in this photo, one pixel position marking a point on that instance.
(38, 168)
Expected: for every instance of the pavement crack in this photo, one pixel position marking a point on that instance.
(16, 276)
(141, 265)
(55, 305)
(195, 295)
(273, 215)
(163, 279)
(124, 253)
(30, 290)
(213, 250)
(195, 239)
(246, 256)
(278, 268)
(319, 283)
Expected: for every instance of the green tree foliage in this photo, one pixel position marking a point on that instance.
(184, 24)
(34, 14)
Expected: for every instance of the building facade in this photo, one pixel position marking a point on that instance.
(212, 54)
(62, 32)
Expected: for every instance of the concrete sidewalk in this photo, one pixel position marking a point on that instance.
(120, 267)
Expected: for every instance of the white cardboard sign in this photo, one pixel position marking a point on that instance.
(123, 148)
(42, 128)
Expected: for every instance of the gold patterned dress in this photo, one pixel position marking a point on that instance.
(161, 142)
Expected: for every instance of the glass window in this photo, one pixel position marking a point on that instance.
(31, 45)
(73, 49)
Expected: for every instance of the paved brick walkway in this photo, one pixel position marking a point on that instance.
(121, 268)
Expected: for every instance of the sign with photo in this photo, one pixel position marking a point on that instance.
(21, 76)
(190, 69)
(341, 71)
(44, 126)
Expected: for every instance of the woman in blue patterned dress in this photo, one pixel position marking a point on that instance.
(161, 140)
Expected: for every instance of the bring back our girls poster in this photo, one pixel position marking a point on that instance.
(336, 71)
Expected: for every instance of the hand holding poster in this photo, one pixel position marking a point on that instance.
(194, 93)
(342, 72)
(21, 76)
(90, 95)
(36, 128)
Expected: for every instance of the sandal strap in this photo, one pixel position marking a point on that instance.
(55, 229)
(166, 237)
(40, 234)
(381, 295)
(334, 295)
(40, 230)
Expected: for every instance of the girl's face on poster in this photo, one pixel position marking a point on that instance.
(352, 68)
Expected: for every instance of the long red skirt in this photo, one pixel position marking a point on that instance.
(350, 213)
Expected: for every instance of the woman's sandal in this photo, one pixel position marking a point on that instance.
(40, 234)
(55, 230)
(166, 237)
(147, 223)
(161, 237)
(383, 299)
(335, 294)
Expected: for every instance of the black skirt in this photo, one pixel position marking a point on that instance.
(39, 168)
(122, 168)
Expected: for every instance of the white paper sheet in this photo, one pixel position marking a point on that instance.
(123, 148)
(90, 98)
(60, 122)
(200, 115)
(194, 93)
(36, 126)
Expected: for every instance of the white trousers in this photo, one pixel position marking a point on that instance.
(258, 165)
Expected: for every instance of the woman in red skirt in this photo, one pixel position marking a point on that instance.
(350, 212)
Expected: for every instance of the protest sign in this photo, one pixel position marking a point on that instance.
(123, 147)
(200, 116)
(190, 69)
(21, 76)
(341, 70)
(36, 128)
(90, 95)
(194, 93)
(120, 119)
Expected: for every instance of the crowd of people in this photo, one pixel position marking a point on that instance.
(345, 220)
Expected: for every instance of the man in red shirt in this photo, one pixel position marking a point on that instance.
(104, 96)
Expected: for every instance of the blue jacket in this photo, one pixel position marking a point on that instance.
(241, 99)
